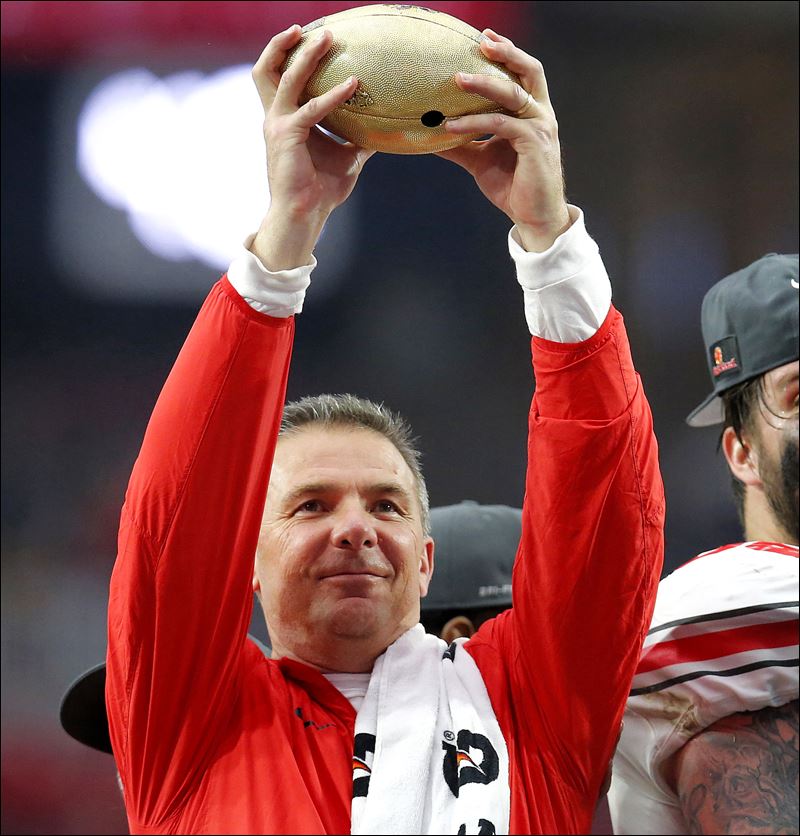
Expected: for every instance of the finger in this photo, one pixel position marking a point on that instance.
(295, 78)
(316, 109)
(496, 124)
(508, 94)
(362, 155)
(528, 68)
(266, 71)
(359, 155)
(490, 33)
(464, 155)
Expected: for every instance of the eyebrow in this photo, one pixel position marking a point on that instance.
(391, 489)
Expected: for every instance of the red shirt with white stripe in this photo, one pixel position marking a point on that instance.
(724, 639)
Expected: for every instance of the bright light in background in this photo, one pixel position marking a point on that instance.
(155, 179)
(183, 156)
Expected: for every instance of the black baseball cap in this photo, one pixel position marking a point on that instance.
(474, 556)
(83, 707)
(750, 325)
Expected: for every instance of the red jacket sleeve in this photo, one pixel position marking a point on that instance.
(180, 599)
(590, 556)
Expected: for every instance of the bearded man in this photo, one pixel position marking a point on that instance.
(710, 741)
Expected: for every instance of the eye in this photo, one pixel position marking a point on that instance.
(310, 506)
(793, 399)
(386, 506)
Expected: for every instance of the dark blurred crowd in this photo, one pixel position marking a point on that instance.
(681, 145)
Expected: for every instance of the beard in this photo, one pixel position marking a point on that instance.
(780, 480)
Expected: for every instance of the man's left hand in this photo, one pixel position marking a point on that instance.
(519, 168)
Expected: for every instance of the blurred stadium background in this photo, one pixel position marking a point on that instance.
(132, 165)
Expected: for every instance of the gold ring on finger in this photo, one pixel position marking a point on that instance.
(527, 109)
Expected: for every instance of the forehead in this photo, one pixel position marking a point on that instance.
(337, 454)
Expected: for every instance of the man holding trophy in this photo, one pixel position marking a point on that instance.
(360, 722)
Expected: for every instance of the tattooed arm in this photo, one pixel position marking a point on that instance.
(741, 774)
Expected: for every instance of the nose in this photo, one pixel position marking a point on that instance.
(354, 529)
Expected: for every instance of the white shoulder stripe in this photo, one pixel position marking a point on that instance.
(661, 677)
(717, 622)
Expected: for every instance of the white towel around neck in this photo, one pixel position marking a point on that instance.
(429, 756)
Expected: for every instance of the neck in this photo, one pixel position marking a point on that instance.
(327, 662)
(335, 654)
(760, 522)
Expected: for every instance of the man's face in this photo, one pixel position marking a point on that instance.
(342, 560)
(776, 428)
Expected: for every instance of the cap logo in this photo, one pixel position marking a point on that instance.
(494, 590)
(724, 356)
(795, 284)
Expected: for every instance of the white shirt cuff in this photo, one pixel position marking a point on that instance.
(279, 294)
(566, 289)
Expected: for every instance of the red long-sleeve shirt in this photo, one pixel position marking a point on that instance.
(211, 737)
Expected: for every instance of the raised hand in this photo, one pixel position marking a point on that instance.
(310, 174)
(519, 168)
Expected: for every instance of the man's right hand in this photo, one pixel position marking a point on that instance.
(310, 174)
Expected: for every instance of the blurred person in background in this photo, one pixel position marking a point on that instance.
(360, 722)
(710, 741)
(475, 550)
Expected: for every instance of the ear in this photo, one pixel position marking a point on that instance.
(458, 627)
(742, 457)
(425, 566)
(256, 584)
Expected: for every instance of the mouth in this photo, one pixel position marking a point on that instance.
(352, 584)
(350, 575)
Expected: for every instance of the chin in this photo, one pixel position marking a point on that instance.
(355, 618)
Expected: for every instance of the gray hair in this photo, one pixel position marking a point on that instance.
(351, 411)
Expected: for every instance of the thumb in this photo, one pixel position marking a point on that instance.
(362, 155)
(464, 155)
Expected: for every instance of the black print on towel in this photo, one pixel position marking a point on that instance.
(462, 766)
(486, 828)
(363, 750)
